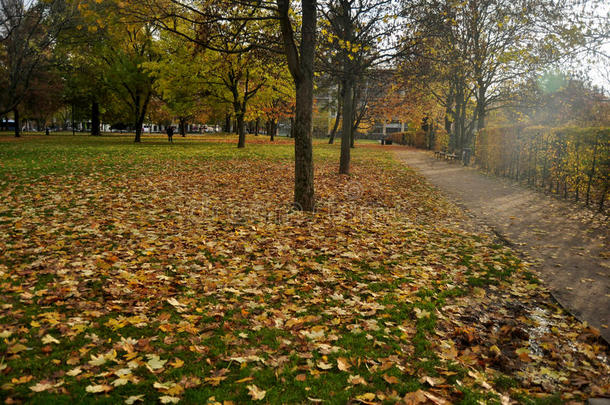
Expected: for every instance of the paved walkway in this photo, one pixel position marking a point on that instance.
(568, 243)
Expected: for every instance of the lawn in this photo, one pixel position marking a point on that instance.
(147, 273)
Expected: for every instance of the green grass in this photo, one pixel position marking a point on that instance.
(33, 156)
(74, 199)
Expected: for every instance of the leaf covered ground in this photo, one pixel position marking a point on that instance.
(178, 273)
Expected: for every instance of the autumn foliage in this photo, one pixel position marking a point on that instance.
(144, 273)
(570, 161)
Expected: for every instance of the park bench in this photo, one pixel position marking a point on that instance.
(441, 154)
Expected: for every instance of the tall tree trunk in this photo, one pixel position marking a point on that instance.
(17, 122)
(333, 133)
(95, 118)
(182, 126)
(356, 117)
(272, 130)
(256, 126)
(138, 137)
(241, 129)
(481, 109)
(304, 196)
(73, 123)
(227, 127)
(139, 122)
(141, 116)
(346, 135)
(301, 66)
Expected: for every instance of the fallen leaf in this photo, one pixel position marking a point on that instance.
(17, 348)
(356, 379)
(154, 362)
(74, 372)
(435, 399)
(133, 399)
(256, 393)
(41, 386)
(366, 398)
(432, 381)
(48, 339)
(177, 363)
(390, 379)
(166, 399)
(96, 389)
(324, 366)
(343, 364)
(415, 398)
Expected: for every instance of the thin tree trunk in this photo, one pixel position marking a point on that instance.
(17, 122)
(291, 133)
(355, 121)
(336, 126)
(481, 108)
(182, 124)
(346, 134)
(227, 123)
(256, 126)
(95, 118)
(272, 130)
(138, 123)
(338, 116)
(241, 130)
(140, 116)
(73, 124)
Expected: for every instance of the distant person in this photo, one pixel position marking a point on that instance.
(170, 134)
(46, 131)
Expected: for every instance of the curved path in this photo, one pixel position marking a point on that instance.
(567, 243)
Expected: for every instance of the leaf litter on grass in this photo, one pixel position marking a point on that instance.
(198, 283)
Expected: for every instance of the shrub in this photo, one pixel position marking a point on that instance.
(570, 161)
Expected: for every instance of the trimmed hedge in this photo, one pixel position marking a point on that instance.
(569, 161)
(418, 139)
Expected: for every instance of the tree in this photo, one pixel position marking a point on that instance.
(472, 54)
(206, 25)
(276, 100)
(180, 79)
(236, 78)
(356, 37)
(78, 49)
(128, 47)
(27, 34)
(43, 100)
(301, 65)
